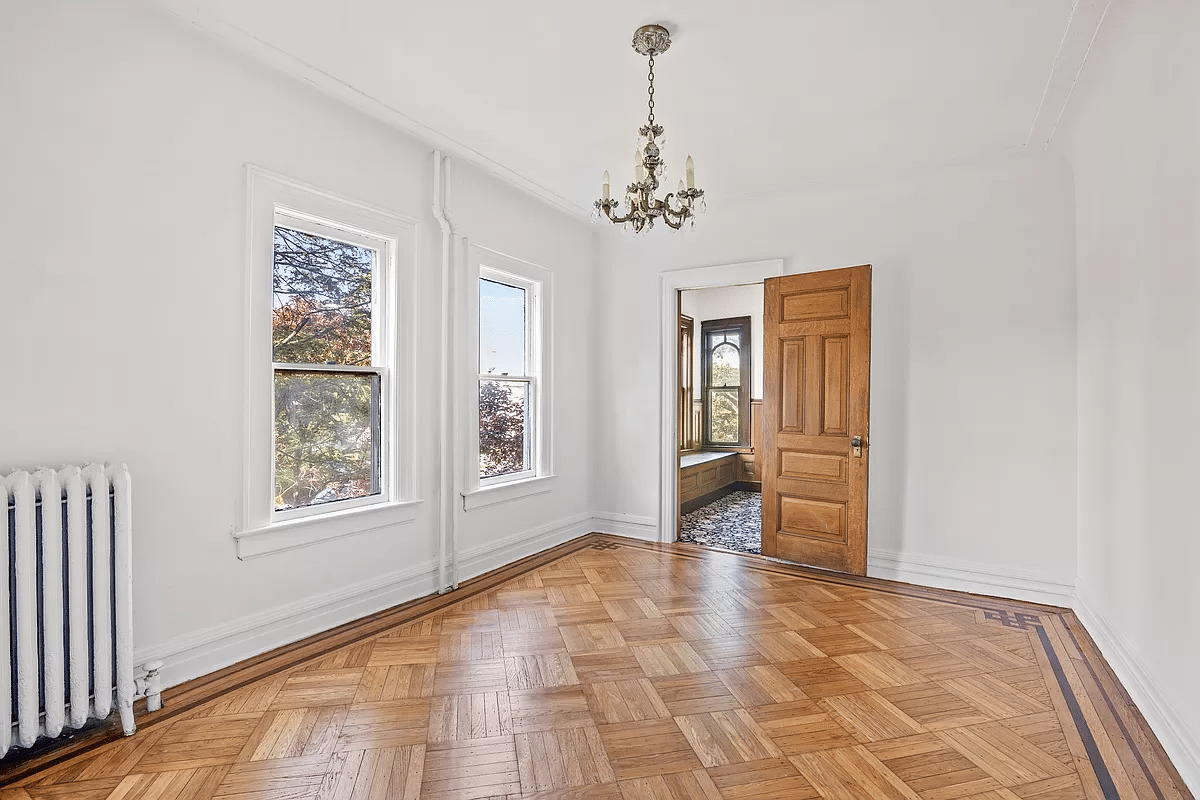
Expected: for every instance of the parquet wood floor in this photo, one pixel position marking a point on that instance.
(609, 669)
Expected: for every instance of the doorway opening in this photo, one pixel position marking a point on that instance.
(719, 422)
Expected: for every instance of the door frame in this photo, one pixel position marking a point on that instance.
(671, 282)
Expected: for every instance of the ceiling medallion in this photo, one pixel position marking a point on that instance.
(643, 207)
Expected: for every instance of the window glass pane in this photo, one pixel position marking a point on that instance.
(723, 415)
(501, 329)
(503, 428)
(322, 300)
(326, 437)
(725, 366)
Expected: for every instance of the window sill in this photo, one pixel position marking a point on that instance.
(322, 528)
(503, 492)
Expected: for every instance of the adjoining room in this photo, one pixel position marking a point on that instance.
(720, 396)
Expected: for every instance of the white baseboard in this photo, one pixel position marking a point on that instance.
(625, 525)
(963, 576)
(485, 558)
(1181, 743)
(210, 649)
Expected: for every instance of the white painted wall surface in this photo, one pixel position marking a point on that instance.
(1132, 134)
(973, 377)
(122, 209)
(720, 303)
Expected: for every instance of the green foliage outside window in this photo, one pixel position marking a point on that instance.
(326, 423)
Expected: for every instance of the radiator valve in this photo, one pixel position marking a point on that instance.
(149, 685)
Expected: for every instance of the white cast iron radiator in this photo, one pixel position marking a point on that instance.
(68, 600)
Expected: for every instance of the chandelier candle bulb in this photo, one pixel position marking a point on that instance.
(691, 173)
(681, 189)
(606, 188)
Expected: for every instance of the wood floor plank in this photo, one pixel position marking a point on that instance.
(727, 737)
(624, 701)
(760, 686)
(801, 727)
(851, 773)
(869, 717)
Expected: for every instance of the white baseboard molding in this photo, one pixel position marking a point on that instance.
(625, 525)
(1181, 743)
(492, 555)
(963, 576)
(210, 649)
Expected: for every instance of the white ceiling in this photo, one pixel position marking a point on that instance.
(762, 93)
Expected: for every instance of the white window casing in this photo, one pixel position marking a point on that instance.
(537, 282)
(274, 199)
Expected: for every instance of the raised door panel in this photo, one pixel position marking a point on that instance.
(807, 306)
(835, 385)
(791, 387)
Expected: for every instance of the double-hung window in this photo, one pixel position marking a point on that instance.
(330, 363)
(725, 368)
(329, 442)
(512, 445)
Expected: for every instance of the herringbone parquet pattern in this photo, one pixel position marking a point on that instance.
(640, 673)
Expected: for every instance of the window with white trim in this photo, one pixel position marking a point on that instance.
(330, 422)
(511, 394)
(330, 364)
(508, 385)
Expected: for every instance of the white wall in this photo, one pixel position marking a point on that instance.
(973, 377)
(122, 209)
(1132, 134)
(720, 303)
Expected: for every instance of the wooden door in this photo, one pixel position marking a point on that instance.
(817, 370)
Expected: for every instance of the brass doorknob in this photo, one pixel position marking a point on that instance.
(856, 446)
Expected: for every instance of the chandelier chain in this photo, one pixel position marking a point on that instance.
(650, 91)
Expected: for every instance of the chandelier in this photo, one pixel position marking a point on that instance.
(643, 208)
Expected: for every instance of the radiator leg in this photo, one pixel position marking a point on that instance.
(127, 723)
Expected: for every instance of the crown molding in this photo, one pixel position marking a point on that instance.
(1083, 24)
(269, 55)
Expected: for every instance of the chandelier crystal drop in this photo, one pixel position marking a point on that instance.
(642, 207)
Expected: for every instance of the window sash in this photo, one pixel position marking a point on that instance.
(381, 270)
(530, 441)
(378, 424)
(708, 416)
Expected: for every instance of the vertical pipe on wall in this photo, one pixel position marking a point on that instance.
(447, 482)
(460, 475)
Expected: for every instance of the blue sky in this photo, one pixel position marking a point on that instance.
(501, 329)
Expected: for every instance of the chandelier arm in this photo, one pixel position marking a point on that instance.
(618, 220)
(680, 215)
